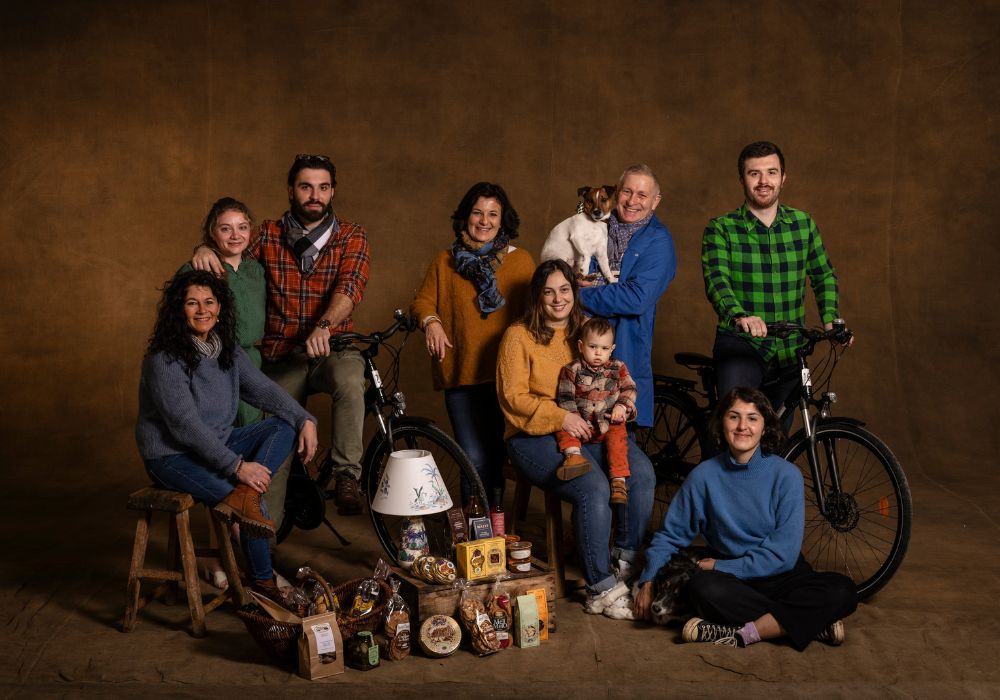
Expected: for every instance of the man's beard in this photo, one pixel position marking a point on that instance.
(305, 216)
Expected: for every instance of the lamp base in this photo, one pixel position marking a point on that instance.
(412, 541)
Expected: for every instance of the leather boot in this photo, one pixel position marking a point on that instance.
(243, 507)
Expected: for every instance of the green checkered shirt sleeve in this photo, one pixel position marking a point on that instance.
(758, 271)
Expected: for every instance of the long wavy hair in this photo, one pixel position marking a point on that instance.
(171, 334)
(534, 315)
(773, 436)
(509, 220)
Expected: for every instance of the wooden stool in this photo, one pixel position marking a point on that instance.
(553, 523)
(180, 549)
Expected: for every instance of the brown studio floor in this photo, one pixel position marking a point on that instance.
(931, 633)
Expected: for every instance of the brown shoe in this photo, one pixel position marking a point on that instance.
(573, 466)
(619, 492)
(268, 589)
(347, 495)
(243, 507)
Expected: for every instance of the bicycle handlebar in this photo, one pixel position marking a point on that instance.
(840, 333)
(402, 321)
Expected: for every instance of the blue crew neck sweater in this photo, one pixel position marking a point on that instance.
(752, 514)
(193, 413)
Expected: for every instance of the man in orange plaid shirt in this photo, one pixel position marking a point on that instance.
(316, 267)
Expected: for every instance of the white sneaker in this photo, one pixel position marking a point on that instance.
(621, 609)
(596, 603)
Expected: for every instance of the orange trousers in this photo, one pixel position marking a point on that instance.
(615, 445)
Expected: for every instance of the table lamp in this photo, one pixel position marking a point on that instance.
(411, 487)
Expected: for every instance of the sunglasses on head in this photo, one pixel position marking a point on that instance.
(310, 156)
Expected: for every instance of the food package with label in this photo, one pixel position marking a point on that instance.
(440, 636)
(320, 647)
(498, 606)
(476, 621)
(397, 625)
(480, 558)
(543, 612)
(526, 621)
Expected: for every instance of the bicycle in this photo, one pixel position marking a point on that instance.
(858, 504)
(305, 502)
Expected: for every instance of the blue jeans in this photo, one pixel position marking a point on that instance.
(267, 442)
(538, 457)
(478, 426)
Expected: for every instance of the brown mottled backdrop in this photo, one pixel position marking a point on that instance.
(120, 123)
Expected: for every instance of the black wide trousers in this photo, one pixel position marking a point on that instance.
(803, 601)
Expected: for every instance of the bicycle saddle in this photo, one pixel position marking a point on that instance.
(693, 360)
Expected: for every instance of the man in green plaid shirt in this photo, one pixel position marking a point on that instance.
(756, 261)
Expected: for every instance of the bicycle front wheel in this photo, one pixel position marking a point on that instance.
(865, 529)
(677, 442)
(451, 461)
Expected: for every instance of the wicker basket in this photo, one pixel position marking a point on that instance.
(277, 638)
(349, 626)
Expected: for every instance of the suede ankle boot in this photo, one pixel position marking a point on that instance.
(243, 507)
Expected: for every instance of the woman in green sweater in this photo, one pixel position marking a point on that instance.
(471, 293)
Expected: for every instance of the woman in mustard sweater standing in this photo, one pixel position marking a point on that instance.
(532, 354)
(471, 293)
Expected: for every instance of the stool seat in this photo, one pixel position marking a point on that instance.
(181, 555)
(151, 498)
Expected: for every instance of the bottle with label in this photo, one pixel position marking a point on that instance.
(497, 515)
(474, 509)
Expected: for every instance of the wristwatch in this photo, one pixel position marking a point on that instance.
(324, 324)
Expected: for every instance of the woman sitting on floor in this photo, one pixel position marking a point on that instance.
(749, 505)
(193, 378)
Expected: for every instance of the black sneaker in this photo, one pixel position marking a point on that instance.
(698, 630)
(833, 634)
(347, 495)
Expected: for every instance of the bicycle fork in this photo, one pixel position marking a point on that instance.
(810, 423)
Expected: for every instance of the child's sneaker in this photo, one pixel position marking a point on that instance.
(698, 630)
(619, 492)
(833, 634)
(596, 603)
(573, 466)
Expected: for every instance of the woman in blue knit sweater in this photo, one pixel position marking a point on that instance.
(193, 378)
(749, 506)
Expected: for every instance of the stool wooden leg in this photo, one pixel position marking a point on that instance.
(135, 571)
(236, 591)
(190, 566)
(553, 536)
(522, 492)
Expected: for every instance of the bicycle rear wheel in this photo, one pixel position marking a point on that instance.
(865, 531)
(677, 442)
(451, 461)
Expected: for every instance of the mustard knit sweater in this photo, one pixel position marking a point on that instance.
(452, 298)
(527, 377)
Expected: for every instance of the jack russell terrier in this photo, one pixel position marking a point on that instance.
(585, 234)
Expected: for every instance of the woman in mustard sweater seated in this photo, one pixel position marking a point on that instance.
(471, 293)
(532, 353)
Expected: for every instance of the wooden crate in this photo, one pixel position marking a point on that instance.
(426, 599)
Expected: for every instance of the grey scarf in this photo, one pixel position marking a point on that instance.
(210, 348)
(303, 242)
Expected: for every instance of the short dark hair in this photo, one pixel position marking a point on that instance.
(220, 207)
(774, 434)
(598, 325)
(509, 220)
(534, 315)
(171, 334)
(760, 149)
(305, 160)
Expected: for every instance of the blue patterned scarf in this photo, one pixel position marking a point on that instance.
(477, 262)
(619, 236)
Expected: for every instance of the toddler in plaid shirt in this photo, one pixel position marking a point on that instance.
(601, 390)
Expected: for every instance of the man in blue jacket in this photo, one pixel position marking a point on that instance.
(641, 251)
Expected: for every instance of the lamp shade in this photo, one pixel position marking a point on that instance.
(411, 485)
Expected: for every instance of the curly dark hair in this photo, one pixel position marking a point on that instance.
(534, 315)
(774, 434)
(171, 334)
(509, 220)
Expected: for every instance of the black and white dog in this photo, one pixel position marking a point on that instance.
(669, 599)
